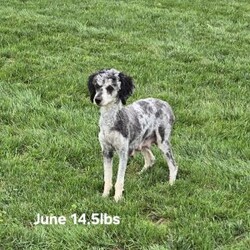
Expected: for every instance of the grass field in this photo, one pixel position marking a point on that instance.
(194, 54)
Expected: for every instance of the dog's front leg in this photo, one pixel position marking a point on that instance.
(107, 162)
(123, 159)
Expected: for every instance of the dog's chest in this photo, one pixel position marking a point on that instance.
(108, 136)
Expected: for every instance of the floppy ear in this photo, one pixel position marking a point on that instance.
(127, 87)
(91, 87)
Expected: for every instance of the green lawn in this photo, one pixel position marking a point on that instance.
(193, 54)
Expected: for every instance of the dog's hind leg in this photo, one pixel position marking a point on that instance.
(173, 168)
(149, 159)
(162, 138)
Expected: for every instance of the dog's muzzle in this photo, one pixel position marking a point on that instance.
(98, 100)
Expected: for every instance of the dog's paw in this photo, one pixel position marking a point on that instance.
(105, 194)
(171, 182)
(118, 191)
(172, 177)
(142, 171)
(107, 189)
(118, 198)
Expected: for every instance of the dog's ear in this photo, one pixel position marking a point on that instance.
(91, 87)
(127, 87)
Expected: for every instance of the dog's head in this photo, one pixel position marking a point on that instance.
(109, 86)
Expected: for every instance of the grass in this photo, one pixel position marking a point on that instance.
(194, 54)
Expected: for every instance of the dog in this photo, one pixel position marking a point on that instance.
(127, 129)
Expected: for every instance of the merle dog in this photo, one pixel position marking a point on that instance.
(126, 129)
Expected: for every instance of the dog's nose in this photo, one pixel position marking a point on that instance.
(98, 100)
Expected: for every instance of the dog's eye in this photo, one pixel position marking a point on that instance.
(110, 89)
(97, 86)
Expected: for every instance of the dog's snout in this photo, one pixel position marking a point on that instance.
(98, 100)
